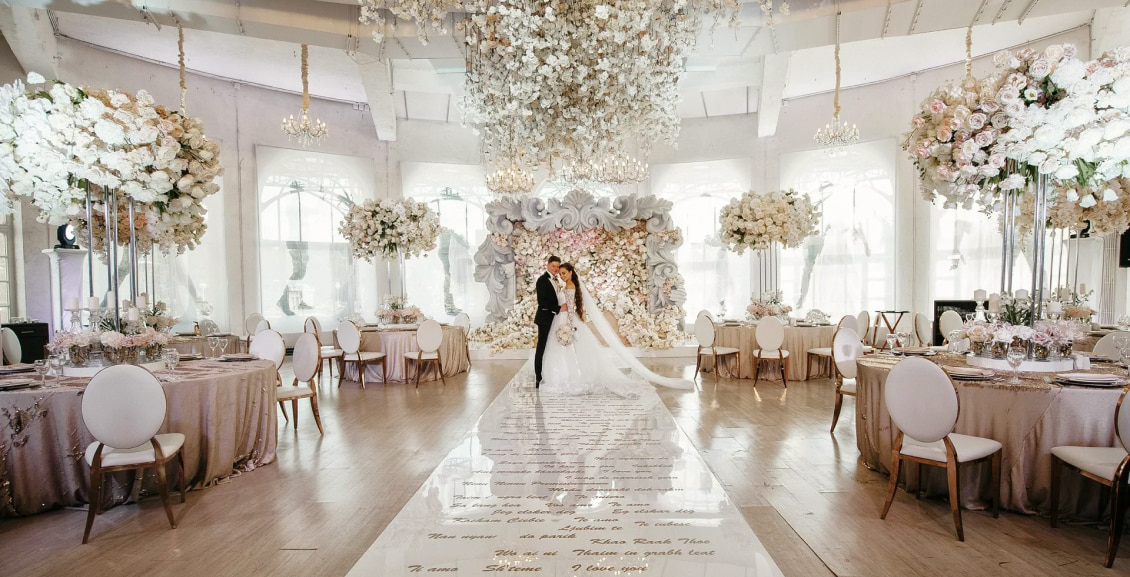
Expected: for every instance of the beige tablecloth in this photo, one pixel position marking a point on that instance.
(1028, 419)
(797, 341)
(453, 351)
(226, 411)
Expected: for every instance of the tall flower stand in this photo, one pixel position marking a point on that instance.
(66, 266)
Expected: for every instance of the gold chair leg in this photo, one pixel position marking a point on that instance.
(282, 405)
(183, 482)
(439, 367)
(361, 369)
(294, 407)
(896, 462)
(996, 483)
(697, 361)
(784, 369)
(756, 369)
(836, 411)
(95, 497)
(163, 486)
(955, 497)
(317, 415)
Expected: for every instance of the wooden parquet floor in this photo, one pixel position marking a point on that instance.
(325, 500)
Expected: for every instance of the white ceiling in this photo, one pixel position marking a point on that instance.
(257, 41)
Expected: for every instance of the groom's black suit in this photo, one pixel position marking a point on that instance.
(543, 318)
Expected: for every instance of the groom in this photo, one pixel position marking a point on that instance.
(547, 309)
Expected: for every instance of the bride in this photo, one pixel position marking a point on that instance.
(574, 360)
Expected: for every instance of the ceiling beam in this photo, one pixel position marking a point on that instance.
(774, 75)
(30, 35)
(376, 78)
(1110, 28)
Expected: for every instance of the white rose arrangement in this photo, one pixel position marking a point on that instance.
(756, 220)
(389, 227)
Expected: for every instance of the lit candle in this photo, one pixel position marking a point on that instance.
(979, 295)
(994, 303)
(133, 315)
(1021, 294)
(72, 303)
(95, 304)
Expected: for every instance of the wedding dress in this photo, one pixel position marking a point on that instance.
(584, 366)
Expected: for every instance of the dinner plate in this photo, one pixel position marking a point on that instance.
(237, 358)
(191, 357)
(1100, 384)
(917, 351)
(1090, 377)
(13, 369)
(220, 335)
(186, 334)
(969, 373)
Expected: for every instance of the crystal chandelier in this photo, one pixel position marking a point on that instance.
(615, 168)
(510, 180)
(836, 133)
(303, 129)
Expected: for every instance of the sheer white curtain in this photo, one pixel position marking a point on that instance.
(716, 279)
(442, 283)
(849, 265)
(305, 264)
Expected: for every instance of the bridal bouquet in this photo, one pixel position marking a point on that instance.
(565, 333)
(755, 220)
(767, 306)
(390, 227)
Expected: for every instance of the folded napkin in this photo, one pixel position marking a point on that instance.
(1082, 361)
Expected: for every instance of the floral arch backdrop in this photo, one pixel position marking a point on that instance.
(623, 249)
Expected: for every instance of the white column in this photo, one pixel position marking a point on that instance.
(66, 282)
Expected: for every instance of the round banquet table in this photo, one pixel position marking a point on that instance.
(1028, 419)
(226, 411)
(797, 341)
(394, 343)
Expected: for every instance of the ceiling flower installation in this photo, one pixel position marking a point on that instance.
(571, 80)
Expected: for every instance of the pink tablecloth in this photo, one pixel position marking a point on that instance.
(226, 411)
(453, 351)
(1028, 419)
(797, 341)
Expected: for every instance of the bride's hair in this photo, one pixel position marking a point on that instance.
(578, 301)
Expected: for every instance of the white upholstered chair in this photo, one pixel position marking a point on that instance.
(1107, 465)
(705, 313)
(770, 337)
(251, 327)
(349, 338)
(429, 336)
(325, 352)
(948, 322)
(922, 330)
(13, 352)
(463, 321)
(1103, 348)
(305, 361)
(704, 333)
(846, 348)
(866, 331)
(269, 345)
(123, 407)
(923, 405)
(825, 352)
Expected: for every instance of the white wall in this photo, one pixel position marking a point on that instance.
(241, 117)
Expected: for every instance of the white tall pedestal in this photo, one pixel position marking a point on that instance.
(66, 282)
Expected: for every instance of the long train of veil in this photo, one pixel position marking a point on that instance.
(612, 339)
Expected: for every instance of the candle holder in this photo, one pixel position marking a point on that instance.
(76, 321)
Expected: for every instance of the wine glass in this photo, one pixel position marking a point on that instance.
(892, 339)
(55, 361)
(904, 339)
(954, 337)
(41, 368)
(1015, 357)
(172, 357)
(214, 346)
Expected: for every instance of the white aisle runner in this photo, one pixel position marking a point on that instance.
(566, 486)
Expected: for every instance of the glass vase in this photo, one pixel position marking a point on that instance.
(80, 356)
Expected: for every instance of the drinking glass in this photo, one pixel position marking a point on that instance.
(56, 363)
(41, 368)
(1121, 342)
(904, 339)
(1124, 323)
(172, 357)
(1015, 356)
(892, 338)
(954, 337)
(214, 346)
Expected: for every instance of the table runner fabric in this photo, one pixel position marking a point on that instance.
(1027, 419)
(797, 341)
(453, 350)
(226, 411)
